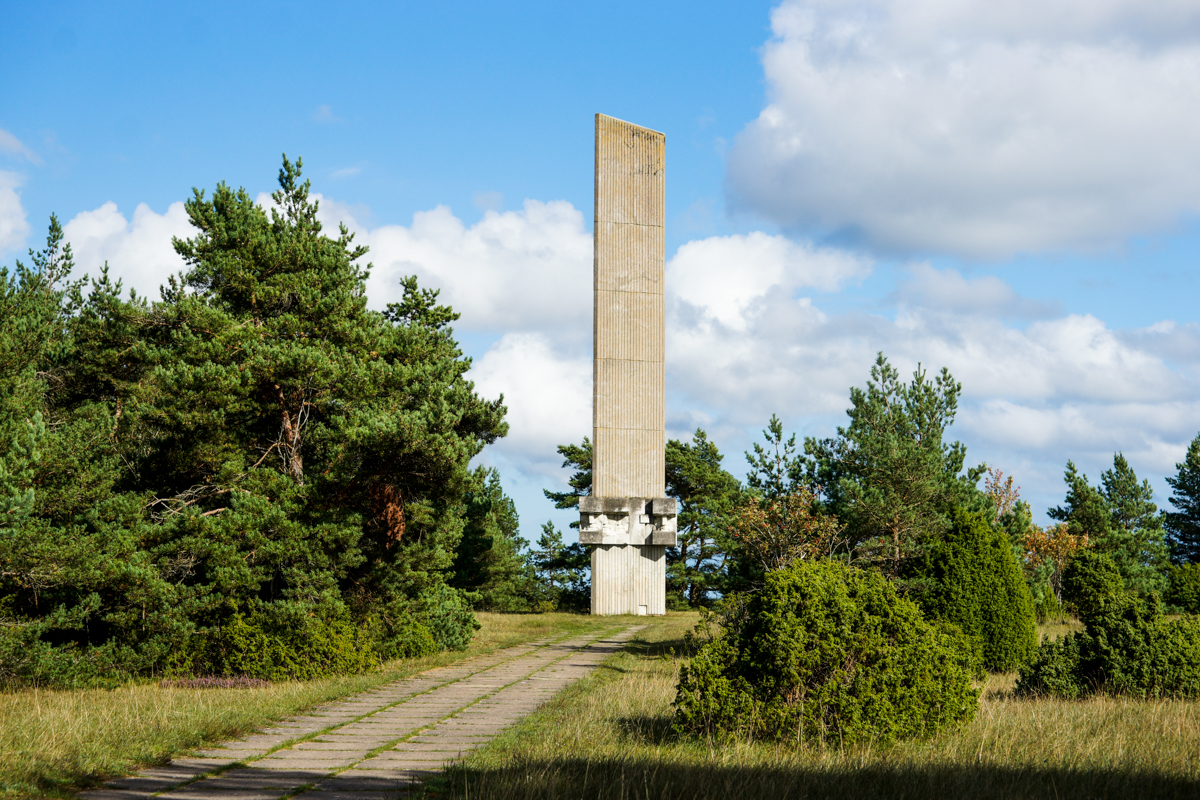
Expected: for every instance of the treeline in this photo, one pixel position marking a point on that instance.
(253, 474)
(867, 582)
(884, 492)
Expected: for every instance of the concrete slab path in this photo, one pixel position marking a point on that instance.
(379, 744)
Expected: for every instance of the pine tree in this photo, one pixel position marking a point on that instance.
(1138, 543)
(706, 494)
(490, 563)
(257, 443)
(577, 457)
(75, 577)
(1120, 519)
(889, 476)
(775, 470)
(562, 570)
(1085, 509)
(1183, 524)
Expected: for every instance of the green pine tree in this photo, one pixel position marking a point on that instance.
(889, 476)
(562, 570)
(490, 563)
(256, 448)
(706, 493)
(76, 580)
(577, 457)
(1183, 524)
(775, 470)
(1120, 519)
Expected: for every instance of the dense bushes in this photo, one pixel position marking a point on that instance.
(286, 642)
(971, 577)
(1183, 591)
(1127, 646)
(279, 644)
(827, 652)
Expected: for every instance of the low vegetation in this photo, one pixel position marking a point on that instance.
(611, 736)
(54, 742)
(1127, 646)
(827, 653)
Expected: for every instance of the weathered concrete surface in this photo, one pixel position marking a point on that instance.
(628, 412)
(379, 744)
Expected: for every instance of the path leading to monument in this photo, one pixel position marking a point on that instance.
(375, 745)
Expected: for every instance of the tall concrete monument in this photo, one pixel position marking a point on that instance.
(627, 518)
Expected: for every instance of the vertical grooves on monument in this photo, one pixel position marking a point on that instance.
(628, 412)
(624, 578)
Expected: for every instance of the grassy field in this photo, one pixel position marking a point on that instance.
(53, 743)
(610, 736)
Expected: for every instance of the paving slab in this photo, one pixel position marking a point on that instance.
(315, 744)
(379, 778)
(253, 778)
(321, 794)
(360, 781)
(201, 791)
(237, 755)
(322, 765)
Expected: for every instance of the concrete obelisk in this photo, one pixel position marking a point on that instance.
(626, 518)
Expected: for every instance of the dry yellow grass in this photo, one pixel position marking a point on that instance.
(610, 737)
(55, 742)
(1057, 628)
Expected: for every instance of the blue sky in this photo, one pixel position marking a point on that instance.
(1009, 190)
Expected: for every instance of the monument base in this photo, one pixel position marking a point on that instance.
(629, 579)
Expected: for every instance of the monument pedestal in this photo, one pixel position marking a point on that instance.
(629, 580)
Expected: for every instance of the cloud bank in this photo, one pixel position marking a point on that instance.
(757, 324)
(14, 226)
(976, 129)
(138, 251)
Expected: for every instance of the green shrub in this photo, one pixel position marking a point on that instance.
(831, 653)
(448, 616)
(28, 660)
(402, 635)
(1046, 606)
(290, 641)
(970, 577)
(1126, 648)
(409, 640)
(281, 642)
(1092, 584)
(1184, 589)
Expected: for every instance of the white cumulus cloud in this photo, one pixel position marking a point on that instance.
(977, 129)
(14, 226)
(138, 251)
(513, 270)
(548, 393)
(725, 274)
(1062, 386)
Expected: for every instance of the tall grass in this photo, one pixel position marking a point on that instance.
(610, 737)
(53, 743)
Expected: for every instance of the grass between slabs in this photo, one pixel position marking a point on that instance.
(53, 743)
(609, 736)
